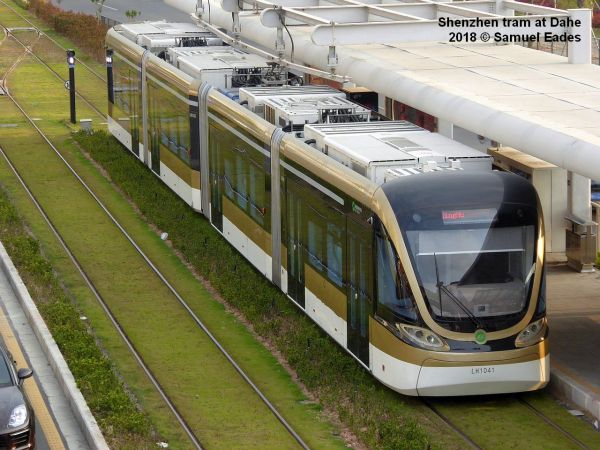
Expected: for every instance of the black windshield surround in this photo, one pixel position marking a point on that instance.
(471, 237)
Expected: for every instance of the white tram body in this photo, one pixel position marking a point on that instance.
(402, 245)
(373, 148)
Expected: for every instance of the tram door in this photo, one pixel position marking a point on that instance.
(359, 259)
(216, 174)
(295, 249)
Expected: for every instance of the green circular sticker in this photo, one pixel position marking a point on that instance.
(480, 336)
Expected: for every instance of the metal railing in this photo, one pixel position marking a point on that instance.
(563, 50)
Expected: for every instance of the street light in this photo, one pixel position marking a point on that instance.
(71, 63)
(109, 75)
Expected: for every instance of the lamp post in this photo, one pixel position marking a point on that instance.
(71, 63)
(109, 75)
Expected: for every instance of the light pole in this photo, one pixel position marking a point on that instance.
(71, 63)
(109, 75)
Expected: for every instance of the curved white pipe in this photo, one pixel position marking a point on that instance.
(579, 154)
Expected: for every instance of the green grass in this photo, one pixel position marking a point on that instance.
(201, 383)
(9, 18)
(500, 422)
(223, 422)
(104, 392)
(161, 419)
(578, 428)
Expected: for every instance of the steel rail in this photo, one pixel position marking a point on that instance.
(451, 424)
(553, 424)
(104, 306)
(183, 303)
(56, 74)
(88, 281)
(52, 39)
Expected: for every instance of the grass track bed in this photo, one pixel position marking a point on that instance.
(216, 404)
(501, 421)
(226, 415)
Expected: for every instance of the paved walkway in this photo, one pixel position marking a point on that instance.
(574, 319)
(52, 408)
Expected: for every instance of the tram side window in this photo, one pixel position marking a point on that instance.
(246, 182)
(334, 252)
(126, 91)
(314, 239)
(394, 298)
(173, 122)
(323, 234)
(258, 190)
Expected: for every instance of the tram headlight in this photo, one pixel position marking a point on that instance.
(423, 337)
(532, 334)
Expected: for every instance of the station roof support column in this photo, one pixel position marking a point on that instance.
(580, 52)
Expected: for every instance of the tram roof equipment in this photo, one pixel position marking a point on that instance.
(372, 148)
(256, 96)
(543, 104)
(158, 36)
(285, 111)
(218, 66)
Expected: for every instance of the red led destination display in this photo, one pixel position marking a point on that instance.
(467, 216)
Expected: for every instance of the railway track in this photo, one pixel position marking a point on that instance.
(539, 413)
(104, 306)
(293, 433)
(570, 441)
(444, 418)
(33, 25)
(29, 50)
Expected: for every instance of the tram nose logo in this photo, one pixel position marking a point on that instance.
(480, 337)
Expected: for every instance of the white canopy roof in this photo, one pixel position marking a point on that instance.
(530, 100)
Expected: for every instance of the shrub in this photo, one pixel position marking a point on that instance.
(85, 30)
(596, 19)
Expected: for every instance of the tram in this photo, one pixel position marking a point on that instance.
(404, 246)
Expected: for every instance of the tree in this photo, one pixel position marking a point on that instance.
(132, 14)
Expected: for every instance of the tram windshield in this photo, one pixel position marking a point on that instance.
(475, 265)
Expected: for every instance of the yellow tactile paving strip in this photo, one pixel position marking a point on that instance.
(31, 388)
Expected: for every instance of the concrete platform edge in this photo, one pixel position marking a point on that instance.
(564, 386)
(60, 368)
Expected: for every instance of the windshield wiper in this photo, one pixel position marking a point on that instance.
(442, 287)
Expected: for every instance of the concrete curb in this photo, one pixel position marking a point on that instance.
(80, 409)
(562, 385)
